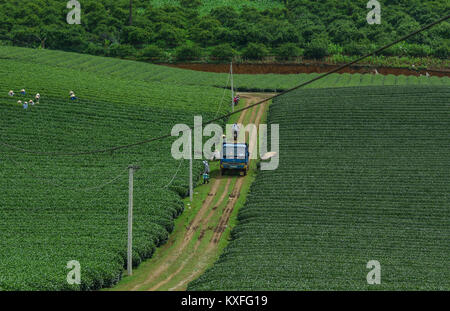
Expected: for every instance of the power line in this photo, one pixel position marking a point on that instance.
(175, 175)
(146, 141)
(223, 95)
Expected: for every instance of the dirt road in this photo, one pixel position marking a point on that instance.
(193, 248)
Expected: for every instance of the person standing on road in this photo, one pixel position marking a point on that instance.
(206, 172)
(235, 131)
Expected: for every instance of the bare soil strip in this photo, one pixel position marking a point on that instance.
(237, 188)
(191, 229)
(308, 68)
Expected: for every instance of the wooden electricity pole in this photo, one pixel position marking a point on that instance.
(131, 170)
(191, 183)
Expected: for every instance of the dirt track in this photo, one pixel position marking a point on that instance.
(305, 68)
(186, 259)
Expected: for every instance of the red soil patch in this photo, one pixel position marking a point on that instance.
(304, 68)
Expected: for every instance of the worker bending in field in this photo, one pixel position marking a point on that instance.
(25, 104)
(22, 91)
(11, 93)
(235, 129)
(31, 102)
(72, 95)
(38, 96)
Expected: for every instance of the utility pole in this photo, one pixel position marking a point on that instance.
(232, 87)
(191, 184)
(131, 170)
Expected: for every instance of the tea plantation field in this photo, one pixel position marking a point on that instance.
(57, 209)
(54, 209)
(364, 175)
(131, 70)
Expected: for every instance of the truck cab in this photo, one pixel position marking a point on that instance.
(234, 156)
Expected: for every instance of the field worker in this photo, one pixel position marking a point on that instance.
(206, 172)
(25, 105)
(235, 131)
(73, 97)
(31, 102)
(205, 178)
(19, 102)
(235, 100)
(38, 96)
(11, 93)
(206, 166)
(22, 91)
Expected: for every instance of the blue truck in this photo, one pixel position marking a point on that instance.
(234, 157)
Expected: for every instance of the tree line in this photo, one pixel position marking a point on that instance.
(178, 32)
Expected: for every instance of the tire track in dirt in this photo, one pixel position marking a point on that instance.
(237, 188)
(190, 231)
(197, 244)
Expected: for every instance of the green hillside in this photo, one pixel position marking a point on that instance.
(54, 209)
(364, 175)
(144, 72)
(57, 209)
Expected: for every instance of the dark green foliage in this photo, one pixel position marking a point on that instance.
(188, 52)
(223, 52)
(442, 51)
(191, 4)
(255, 51)
(121, 50)
(288, 51)
(173, 24)
(317, 49)
(151, 53)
